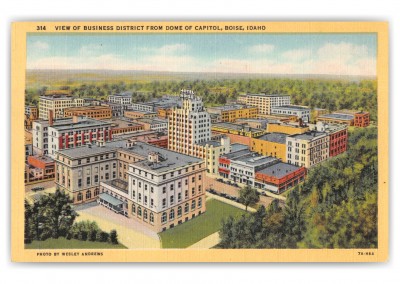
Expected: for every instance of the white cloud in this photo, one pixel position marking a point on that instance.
(40, 45)
(342, 51)
(166, 49)
(262, 48)
(297, 54)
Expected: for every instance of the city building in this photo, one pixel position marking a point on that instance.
(241, 166)
(337, 118)
(211, 150)
(158, 187)
(338, 137)
(28, 144)
(124, 98)
(259, 123)
(361, 119)
(264, 102)
(188, 125)
(301, 112)
(123, 126)
(51, 135)
(39, 168)
(270, 144)
(159, 139)
(56, 104)
(280, 177)
(117, 110)
(279, 117)
(32, 111)
(156, 124)
(238, 133)
(307, 149)
(96, 112)
(288, 128)
(230, 113)
(165, 104)
(139, 114)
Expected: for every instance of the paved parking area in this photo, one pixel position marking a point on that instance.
(131, 233)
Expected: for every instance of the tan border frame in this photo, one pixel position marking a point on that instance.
(18, 63)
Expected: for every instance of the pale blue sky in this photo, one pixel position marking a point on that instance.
(339, 54)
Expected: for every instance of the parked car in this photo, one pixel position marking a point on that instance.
(220, 180)
(223, 194)
(235, 184)
(263, 193)
(39, 188)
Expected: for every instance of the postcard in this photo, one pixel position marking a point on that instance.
(200, 142)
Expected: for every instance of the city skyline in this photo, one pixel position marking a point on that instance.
(328, 54)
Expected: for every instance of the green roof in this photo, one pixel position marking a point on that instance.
(110, 199)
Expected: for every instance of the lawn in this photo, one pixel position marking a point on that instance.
(62, 243)
(200, 227)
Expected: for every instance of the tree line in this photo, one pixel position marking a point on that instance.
(52, 216)
(336, 207)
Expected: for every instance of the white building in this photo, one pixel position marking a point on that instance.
(301, 112)
(55, 104)
(124, 98)
(51, 136)
(264, 102)
(189, 125)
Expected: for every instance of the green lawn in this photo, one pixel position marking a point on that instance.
(62, 243)
(200, 227)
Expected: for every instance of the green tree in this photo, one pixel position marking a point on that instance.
(113, 237)
(248, 195)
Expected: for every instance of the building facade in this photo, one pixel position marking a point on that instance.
(270, 144)
(264, 102)
(288, 128)
(96, 112)
(361, 119)
(189, 125)
(139, 114)
(307, 149)
(230, 113)
(56, 104)
(338, 137)
(124, 98)
(301, 112)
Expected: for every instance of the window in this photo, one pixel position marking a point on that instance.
(199, 203)
(186, 207)
(151, 218)
(186, 182)
(114, 165)
(179, 196)
(133, 209)
(96, 178)
(139, 211)
(145, 200)
(79, 182)
(193, 179)
(186, 194)
(140, 197)
(79, 197)
(193, 205)
(164, 217)
(151, 189)
(163, 189)
(172, 214)
(106, 167)
(171, 187)
(164, 202)
(199, 177)
(96, 192)
(179, 211)
(133, 194)
(133, 181)
(192, 190)
(87, 160)
(145, 214)
(179, 184)
(88, 181)
(151, 202)
(171, 199)
(107, 176)
(199, 188)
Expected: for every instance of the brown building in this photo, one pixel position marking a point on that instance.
(39, 168)
(97, 112)
(361, 119)
(139, 114)
(164, 112)
(124, 126)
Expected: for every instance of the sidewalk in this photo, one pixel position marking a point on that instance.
(207, 242)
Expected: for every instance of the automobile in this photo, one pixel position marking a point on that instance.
(39, 188)
(229, 182)
(223, 194)
(236, 199)
(235, 185)
(220, 180)
(212, 191)
(263, 193)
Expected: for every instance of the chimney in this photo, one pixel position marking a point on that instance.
(75, 119)
(51, 118)
(153, 157)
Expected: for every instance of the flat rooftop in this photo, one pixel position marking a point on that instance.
(308, 135)
(291, 107)
(279, 170)
(211, 143)
(238, 147)
(235, 126)
(230, 107)
(84, 108)
(248, 157)
(341, 116)
(152, 121)
(274, 137)
(121, 123)
(82, 123)
(266, 95)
